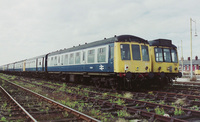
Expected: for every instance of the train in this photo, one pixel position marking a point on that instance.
(124, 61)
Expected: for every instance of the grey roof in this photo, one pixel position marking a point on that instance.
(122, 38)
(162, 42)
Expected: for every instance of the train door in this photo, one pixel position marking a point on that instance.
(24, 65)
(42, 63)
(46, 62)
(111, 57)
(36, 64)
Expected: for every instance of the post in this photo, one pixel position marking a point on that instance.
(191, 67)
(182, 56)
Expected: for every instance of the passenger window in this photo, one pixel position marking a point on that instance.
(40, 63)
(55, 60)
(145, 53)
(71, 59)
(174, 56)
(62, 60)
(167, 55)
(66, 59)
(77, 58)
(58, 59)
(91, 56)
(158, 54)
(83, 56)
(102, 55)
(136, 52)
(125, 52)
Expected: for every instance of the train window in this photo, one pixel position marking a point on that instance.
(55, 60)
(158, 54)
(71, 59)
(83, 56)
(174, 56)
(91, 56)
(58, 59)
(111, 52)
(125, 52)
(51, 61)
(66, 59)
(62, 60)
(167, 55)
(102, 55)
(145, 53)
(40, 63)
(78, 58)
(136, 52)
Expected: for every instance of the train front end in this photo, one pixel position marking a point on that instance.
(132, 62)
(165, 64)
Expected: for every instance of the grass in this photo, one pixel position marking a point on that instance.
(178, 111)
(159, 111)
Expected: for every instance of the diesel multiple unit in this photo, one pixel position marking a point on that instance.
(121, 61)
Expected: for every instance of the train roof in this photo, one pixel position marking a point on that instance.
(162, 42)
(121, 38)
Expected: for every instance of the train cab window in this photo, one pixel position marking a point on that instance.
(174, 56)
(136, 52)
(66, 59)
(78, 58)
(145, 53)
(71, 59)
(167, 55)
(101, 55)
(125, 52)
(91, 56)
(158, 54)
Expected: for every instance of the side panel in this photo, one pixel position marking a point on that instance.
(59, 63)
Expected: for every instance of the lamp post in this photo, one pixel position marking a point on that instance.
(191, 67)
(182, 57)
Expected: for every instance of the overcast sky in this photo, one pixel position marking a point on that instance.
(30, 28)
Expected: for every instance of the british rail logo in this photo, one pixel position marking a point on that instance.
(101, 67)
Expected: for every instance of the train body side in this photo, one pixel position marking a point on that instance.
(95, 59)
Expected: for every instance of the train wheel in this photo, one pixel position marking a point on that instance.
(97, 84)
(114, 84)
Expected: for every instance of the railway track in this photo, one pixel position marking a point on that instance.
(133, 106)
(141, 102)
(34, 106)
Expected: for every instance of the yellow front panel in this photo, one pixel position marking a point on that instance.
(134, 66)
(167, 67)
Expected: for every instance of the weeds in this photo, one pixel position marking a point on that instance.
(159, 111)
(178, 111)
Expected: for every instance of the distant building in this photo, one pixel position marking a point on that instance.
(186, 65)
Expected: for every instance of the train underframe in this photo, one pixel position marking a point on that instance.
(127, 80)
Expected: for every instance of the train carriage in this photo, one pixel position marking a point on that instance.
(165, 64)
(113, 61)
(36, 64)
(19, 66)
